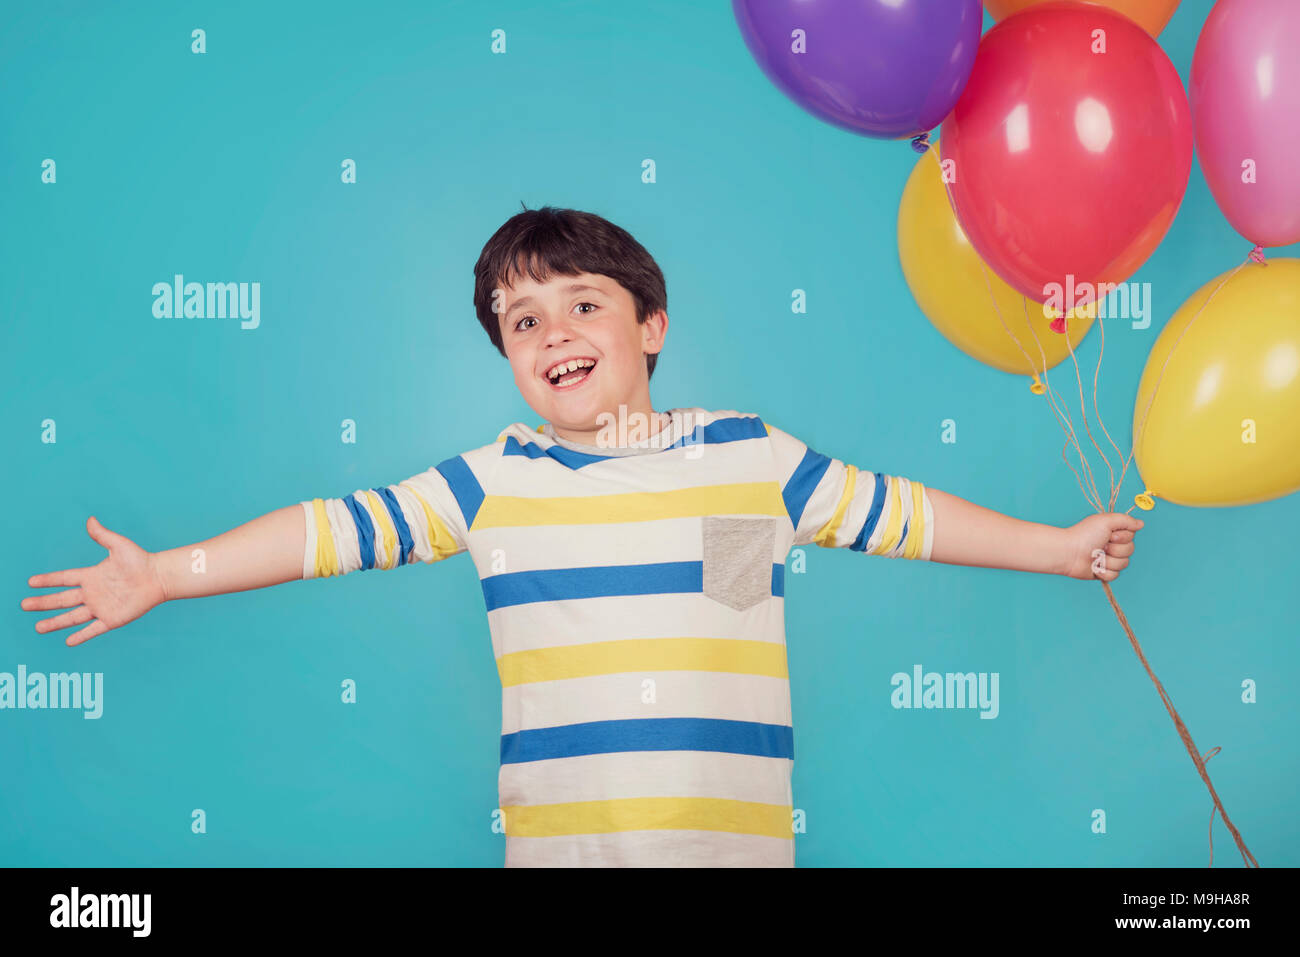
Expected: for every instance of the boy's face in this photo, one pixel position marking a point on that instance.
(590, 318)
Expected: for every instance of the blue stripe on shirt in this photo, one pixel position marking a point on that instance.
(648, 734)
(464, 486)
(600, 581)
(567, 457)
(405, 543)
(365, 531)
(734, 429)
(803, 483)
(873, 516)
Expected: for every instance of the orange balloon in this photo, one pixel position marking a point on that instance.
(1151, 15)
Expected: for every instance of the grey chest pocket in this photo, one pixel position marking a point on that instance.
(738, 560)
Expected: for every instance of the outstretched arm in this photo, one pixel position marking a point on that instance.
(417, 519)
(131, 581)
(969, 534)
(836, 504)
(266, 551)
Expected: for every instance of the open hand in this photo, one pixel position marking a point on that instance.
(119, 589)
(1099, 546)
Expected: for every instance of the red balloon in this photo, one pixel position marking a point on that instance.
(1072, 148)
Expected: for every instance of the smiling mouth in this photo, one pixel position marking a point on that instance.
(562, 377)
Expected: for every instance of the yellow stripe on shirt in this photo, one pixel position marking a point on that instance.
(826, 537)
(645, 814)
(894, 527)
(741, 498)
(741, 656)
(441, 544)
(384, 522)
(327, 559)
(916, 529)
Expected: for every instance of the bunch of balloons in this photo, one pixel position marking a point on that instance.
(1065, 152)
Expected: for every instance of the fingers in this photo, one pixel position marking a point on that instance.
(1125, 522)
(78, 616)
(99, 533)
(72, 576)
(1113, 565)
(59, 599)
(96, 627)
(1119, 546)
(68, 576)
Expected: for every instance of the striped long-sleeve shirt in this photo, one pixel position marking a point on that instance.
(635, 601)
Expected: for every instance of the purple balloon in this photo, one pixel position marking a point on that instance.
(883, 68)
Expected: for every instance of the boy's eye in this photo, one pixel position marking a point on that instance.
(520, 323)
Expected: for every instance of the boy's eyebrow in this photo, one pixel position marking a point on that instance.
(572, 287)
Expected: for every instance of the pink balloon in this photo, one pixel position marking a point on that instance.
(1246, 114)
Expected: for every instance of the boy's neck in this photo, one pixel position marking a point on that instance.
(633, 428)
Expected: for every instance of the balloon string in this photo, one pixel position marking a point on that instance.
(1206, 758)
(1115, 486)
(1095, 377)
(1062, 412)
(1071, 435)
(1186, 736)
(1083, 411)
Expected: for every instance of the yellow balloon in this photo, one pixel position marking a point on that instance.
(952, 285)
(1224, 426)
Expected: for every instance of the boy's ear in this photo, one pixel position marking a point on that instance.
(653, 331)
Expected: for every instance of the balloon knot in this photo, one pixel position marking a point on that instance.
(1145, 501)
(921, 143)
(1257, 254)
(1036, 387)
(1058, 324)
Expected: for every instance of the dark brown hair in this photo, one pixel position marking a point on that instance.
(549, 241)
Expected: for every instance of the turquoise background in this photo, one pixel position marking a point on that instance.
(225, 167)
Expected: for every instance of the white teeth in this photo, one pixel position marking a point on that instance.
(570, 366)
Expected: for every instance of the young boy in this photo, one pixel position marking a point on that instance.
(632, 565)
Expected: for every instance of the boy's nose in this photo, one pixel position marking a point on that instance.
(558, 331)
